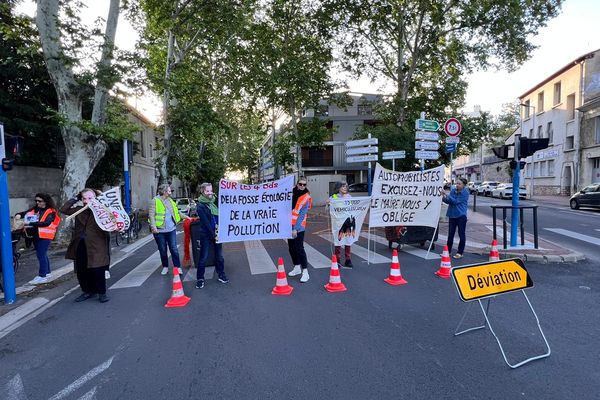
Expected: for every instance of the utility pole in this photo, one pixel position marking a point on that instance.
(514, 223)
(8, 273)
(126, 177)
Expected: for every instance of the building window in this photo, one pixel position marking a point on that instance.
(569, 143)
(540, 133)
(543, 171)
(365, 109)
(540, 106)
(528, 170)
(550, 167)
(556, 93)
(550, 132)
(143, 144)
(322, 110)
(596, 163)
(317, 157)
(536, 169)
(531, 133)
(597, 119)
(527, 108)
(570, 107)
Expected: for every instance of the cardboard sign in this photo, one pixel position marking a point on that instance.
(347, 216)
(112, 200)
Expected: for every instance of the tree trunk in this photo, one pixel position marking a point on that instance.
(295, 132)
(168, 132)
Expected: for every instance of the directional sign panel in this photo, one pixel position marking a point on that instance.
(450, 147)
(361, 150)
(427, 155)
(453, 139)
(353, 159)
(427, 125)
(427, 145)
(362, 142)
(491, 278)
(422, 135)
(392, 155)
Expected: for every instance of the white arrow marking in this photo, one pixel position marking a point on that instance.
(91, 395)
(83, 379)
(16, 391)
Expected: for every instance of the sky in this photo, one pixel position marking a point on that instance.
(576, 31)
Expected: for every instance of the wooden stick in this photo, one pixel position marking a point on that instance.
(77, 213)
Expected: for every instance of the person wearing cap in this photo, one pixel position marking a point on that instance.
(341, 192)
(457, 200)
(301, 203)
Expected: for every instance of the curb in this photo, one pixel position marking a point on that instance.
(540, 258)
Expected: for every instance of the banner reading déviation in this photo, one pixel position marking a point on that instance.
(406, 198)
(347, 217)
(255, 212)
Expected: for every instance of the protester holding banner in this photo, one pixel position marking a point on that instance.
(40, 223)
(208, 214)
(457, 201)
(163, 217)
(341, 192)
(301, 203)
(89, 247)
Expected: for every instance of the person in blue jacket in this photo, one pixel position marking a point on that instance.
(457, 201)
(208, 214)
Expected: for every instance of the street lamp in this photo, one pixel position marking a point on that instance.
(532, 133)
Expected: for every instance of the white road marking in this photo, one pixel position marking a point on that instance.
(91, 395)
(138, 275)
(14, 316)
(575, 235)
(528, 244)
(209, 273)
(415, 251)
(15, 389)
(315, 258)
(258, 258)
(83, 379)
(363, 253)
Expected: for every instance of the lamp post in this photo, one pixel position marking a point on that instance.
(532, 133)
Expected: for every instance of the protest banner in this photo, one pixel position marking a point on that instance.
(406, 198)
(255, 212)
(103, 216)
(112, 200)
(347, 217)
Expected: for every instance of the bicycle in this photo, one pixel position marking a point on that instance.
(132, 233)
(15, 237)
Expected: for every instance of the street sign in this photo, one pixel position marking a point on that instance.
(392, 155)
(452, 127)
(427, 155)
(422, 135)
(427, 125)
(450, 147)
(476, 281)
(370, 157)
(361, 150)
(362, 142)
(452, 139)
(427, 145)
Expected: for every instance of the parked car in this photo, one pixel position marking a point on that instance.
(472, 186)
(186, 206)
(486, 188)
(358, 188)
(504, 191)
(589, 196)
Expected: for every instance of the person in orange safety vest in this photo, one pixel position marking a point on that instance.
(301, 203)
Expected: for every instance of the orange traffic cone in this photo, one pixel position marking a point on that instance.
(281, 286)
(444, 271)
(178, 298)
(335, 280)
(494, 254)
(395, 277)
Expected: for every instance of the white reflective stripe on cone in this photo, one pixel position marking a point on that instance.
(394, 272)
(177, 293)
(281, 282)
(335, 279)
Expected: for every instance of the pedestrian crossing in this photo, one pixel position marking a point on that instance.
(575, 235)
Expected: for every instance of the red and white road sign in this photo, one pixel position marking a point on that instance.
(452, 127)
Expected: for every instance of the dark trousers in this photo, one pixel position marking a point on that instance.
(205, 243)
(347, 252)
(461, 223)
(164, 239)
(41, 251)
(91, 280)
(296, 247)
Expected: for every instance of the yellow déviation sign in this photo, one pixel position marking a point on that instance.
(486, 279)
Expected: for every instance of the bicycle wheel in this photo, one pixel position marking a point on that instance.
(118, 238)
(135, 229)
(16, 264)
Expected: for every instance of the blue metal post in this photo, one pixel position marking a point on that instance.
(514, 224)
(126, 176)
(8, 274)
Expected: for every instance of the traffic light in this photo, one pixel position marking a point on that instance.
(513, 164)
(10, 147)
(529, 146)
(501, 151)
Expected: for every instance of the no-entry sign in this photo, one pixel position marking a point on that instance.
(452, 127)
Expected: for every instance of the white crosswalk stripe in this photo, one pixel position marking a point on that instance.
(315, 258)
(575, 235)
(258, 258)
(138, 275)
(363, 253)
(209, 273)
(415, 251)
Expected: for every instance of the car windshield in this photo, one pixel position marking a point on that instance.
(183, 202)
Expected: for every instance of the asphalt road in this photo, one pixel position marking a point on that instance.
(375, 341)
(578, 230)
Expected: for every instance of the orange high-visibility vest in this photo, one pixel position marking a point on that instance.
(302, 200)
(47, 232)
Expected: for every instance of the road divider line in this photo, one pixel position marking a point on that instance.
(575, 235)
(258, 258)
(83, 380)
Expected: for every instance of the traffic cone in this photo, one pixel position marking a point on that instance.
(395, 277)
(178, 298)
(444, 271)
(494, 254)
(335, 280)
(281, 286)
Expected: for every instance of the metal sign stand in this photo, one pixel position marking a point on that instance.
(431, 241)
(485, 312)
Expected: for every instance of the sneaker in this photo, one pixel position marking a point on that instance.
(164, 271)
(48, 275)
(296, 271)
(458, 255)
(348, 264)
(38, 280)
(179, 270)
(103, 298)
(199, 283)
(84, 296)
(107, 274)
(305, 276)
(223, 279)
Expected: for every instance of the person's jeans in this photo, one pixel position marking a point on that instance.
(164, 239)
(461, 223)
(296, 247)
(205, 243)
(41, 251)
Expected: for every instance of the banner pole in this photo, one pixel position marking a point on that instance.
(369, 247)
(431, 241)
